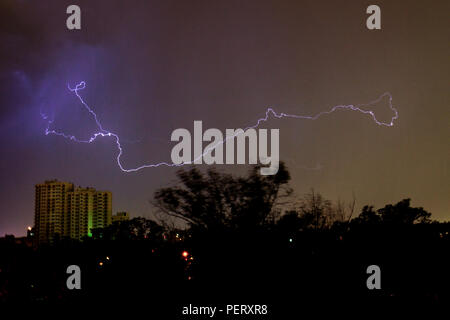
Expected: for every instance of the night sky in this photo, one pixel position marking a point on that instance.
(154, 66)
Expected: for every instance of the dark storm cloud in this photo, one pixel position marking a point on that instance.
(154, 66)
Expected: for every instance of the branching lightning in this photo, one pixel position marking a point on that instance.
(362, 108)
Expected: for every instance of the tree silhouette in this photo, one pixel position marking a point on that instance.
(135, 229)
(367, 216)
(399, 214)
(316, 209)
(317, 213)
(403, 213)
(215, 201)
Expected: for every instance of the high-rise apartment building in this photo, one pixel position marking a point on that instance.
(63, 211)
(51, 215)
(88, 209)
(102, 209)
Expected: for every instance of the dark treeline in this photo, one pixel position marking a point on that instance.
(242, 240)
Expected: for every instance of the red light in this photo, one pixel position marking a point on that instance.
(185, 254)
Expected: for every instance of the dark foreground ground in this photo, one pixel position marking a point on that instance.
(321, 272)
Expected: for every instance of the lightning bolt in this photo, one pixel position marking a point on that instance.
(362, 108)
